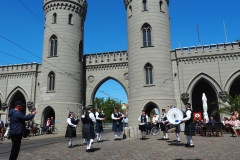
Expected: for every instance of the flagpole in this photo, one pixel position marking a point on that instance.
(198, 35)
(225, 31)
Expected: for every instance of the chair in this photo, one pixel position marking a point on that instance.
(209, 129)
(218, 129)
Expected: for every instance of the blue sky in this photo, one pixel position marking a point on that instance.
(105, 29)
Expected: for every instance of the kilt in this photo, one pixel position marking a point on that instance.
(163, 127)
(88, 131)
(177, 126)
(99, 127)
(70, 132)
(189, 129)
(117, 128)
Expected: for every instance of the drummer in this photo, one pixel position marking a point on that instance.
(143, 118)
(163, 123)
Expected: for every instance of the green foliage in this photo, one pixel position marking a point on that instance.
(230, 105)
(237, 40)
(107, 106)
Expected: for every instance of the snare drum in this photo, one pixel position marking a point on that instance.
(142, 126)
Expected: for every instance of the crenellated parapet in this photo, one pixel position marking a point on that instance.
(207, 53)
(105, 61)
(19, 71)
(77, 6)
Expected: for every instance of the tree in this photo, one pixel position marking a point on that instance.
(229, 105)
(107, 106)
(238, 40)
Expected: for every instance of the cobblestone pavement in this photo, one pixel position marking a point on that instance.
(153, 147)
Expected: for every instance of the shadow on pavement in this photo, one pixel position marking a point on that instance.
(96, 149)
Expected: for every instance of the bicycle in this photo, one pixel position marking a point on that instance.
(53, 130)
(155, 130)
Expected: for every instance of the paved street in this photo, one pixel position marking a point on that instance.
(54, 147)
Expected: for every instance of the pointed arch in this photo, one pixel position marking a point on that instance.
(231, 80)
(148, 70)
(53, 45)
(205, 76)
(149, 107)
(16, 89)
(51, 81)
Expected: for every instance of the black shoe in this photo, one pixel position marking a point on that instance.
(70, 146)
(89, 150)
(84, 143)
(190, 146)
(179, 141)
(186, 145)
(115, 139)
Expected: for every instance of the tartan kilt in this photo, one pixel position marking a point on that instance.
(99, 127)
(163, 127)
(189, 129)
(177, 126)
(88, 131)
(70, 132)
(117, 128)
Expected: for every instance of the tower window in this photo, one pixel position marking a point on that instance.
(70, 16)
(51, 81)
(146, 33)
(54, 18)
(130, 11)
(144, 5)
(149, 73)
(161, 5)
(80, 51)
(53, 46)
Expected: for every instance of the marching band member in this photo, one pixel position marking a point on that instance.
(83, 122)
(88, 129)
(189, 126)
(164, 121)
(143, 118)
(71, 128)
(117, 123)
(99, 127)
(177, 132)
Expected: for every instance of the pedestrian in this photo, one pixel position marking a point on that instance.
(71, 128)
(189, 126)
(117, 123)
(17, 127)
(47, 126)
(100, 116)
(7, 125)
(163, 124)
(30, 126)
(88, 129)
(143, 119)
(1, 129)
(177, 132)
(52, 124)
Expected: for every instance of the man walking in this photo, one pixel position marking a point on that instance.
(17, 127)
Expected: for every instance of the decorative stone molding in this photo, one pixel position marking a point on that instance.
(222, 95)
(126, 76)
(30, 105)
(185, 97)
(107, 67)
(4, 106)
(17, 75)
(91, 78)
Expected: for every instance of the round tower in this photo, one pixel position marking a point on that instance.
(150, 69)
(60, 85)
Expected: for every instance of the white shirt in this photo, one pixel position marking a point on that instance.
(139, 119)
(125, 120)
(155, 120)
(92, 117)
(70, 123)
(97, 118)
(115, 118)
(188, 114)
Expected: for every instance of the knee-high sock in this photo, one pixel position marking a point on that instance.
(100, 136)
(187, 140)
(144, 134)
(70, 142)
(190, 140)
(178, 136)
(164, 134)
(115, 134)
(97, 136)
(84, 141)
(118, 134)
(88, 143)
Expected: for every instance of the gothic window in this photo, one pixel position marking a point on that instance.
(70, 16)
(149, 73)
(80, 51)
(51, 81)
(144, 5)
(54, 18)
(161, 5)
(130, 11)
(146, 33)
(53, 46)
(82, 25)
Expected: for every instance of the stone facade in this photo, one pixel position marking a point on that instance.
(152, 75)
